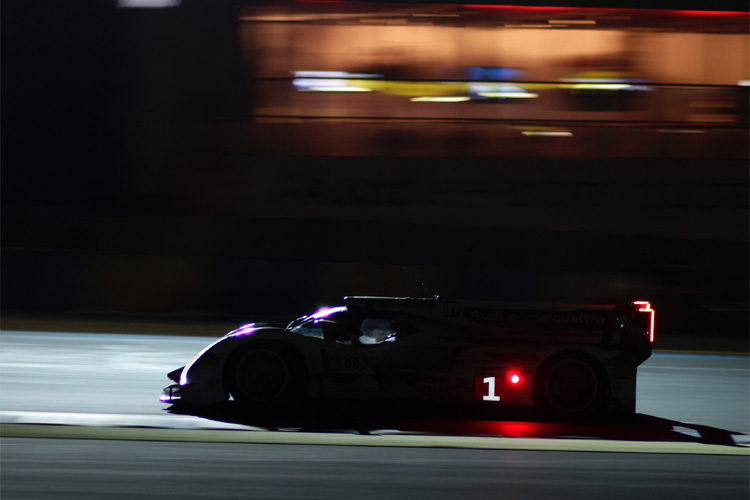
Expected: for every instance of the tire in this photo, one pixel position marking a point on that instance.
(571, 387)
(264, 379)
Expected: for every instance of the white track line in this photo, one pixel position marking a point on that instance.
(194, 429)
(168, 421)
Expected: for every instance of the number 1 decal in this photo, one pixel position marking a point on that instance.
(490, 396)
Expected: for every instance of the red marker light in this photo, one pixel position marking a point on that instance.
(514, 378)
(645, 306)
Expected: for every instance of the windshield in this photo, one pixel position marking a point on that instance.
(312, 325)
(341, 325)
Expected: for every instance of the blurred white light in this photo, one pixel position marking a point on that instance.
(600, 86)
(333, 74)
(330, 81)
(510, 95)
(326, 85)
(500, 90)
(335, 89)
(440, 99)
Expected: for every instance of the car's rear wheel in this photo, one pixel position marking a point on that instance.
(264, 379)
(571, 387)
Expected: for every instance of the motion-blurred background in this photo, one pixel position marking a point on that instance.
(245, 160)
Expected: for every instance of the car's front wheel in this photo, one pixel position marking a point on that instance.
(264, 379)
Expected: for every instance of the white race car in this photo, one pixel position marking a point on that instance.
(569, 361)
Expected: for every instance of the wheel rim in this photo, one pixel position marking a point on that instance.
(572, 386)
(262, 375)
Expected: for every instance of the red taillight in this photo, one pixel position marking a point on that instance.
(645, 306)
(514, 377)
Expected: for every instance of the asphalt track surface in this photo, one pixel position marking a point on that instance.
(66, 469)
(81, 419)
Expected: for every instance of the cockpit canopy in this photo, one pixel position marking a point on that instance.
(339, 324)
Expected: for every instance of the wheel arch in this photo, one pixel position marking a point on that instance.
(570, 352)
(291, 352)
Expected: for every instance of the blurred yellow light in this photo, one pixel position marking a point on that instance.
(420, 89)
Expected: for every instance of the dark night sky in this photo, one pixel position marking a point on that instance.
(57, 99)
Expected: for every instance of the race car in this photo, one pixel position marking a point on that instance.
(568, 361)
